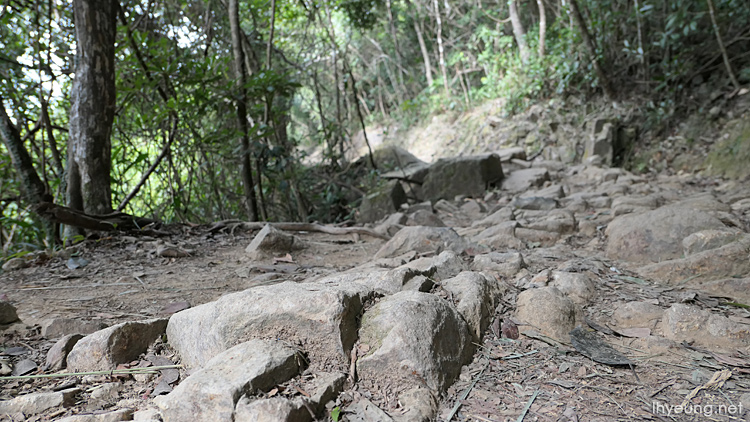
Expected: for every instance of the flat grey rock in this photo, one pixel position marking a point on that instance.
(656, 235)
(121, 343)
(36, 403)
(299, 313)
(211, 393)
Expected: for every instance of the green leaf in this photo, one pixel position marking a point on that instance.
(335, 414)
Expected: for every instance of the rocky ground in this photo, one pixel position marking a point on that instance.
(561, 293)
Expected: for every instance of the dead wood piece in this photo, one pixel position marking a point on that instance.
(313, 227)
(109, 222)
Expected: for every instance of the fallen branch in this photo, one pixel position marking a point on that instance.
(298, 227)
(108, 222)
(126, 371)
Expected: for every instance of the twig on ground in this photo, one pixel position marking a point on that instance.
(527, 407)
(126, 371)
(465, 394)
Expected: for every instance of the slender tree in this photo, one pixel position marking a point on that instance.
(723, 50)
(588, 42)
(251, 204)
(542, 26)
(441, 50)
(518, 32)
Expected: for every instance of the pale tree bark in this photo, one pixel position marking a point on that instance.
(425, 54)
(542, 27)
(724, 55)
(92, 110)
(518, 32)
(589, 44)
(422, 45)
(441, 52)
(248, 186)
(394, 36)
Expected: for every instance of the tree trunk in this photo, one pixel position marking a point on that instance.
(441, 52)
(542, 26)
(518, 32)
(589, 43)
(723, 50)
(92, 110)
(394, 36)
(423, 47)
(34, 189)
(642, 51)
(239, 68)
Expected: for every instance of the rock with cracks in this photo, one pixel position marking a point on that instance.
(415, 339)
(656, 235)
(299, 313)
(212, 393)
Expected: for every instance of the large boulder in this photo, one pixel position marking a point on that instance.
(381, 202)
(476, 297)
(469, 176)
(656, 235)
(298, 313)
(416, 339)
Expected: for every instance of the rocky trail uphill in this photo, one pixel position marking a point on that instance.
(468, 312)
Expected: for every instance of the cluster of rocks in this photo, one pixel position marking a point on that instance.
(401, 327)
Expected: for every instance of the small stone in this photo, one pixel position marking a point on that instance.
(535, 203)
(506, 264)
(525, 179)
(548, 310)
(107, 392)
(424, 218)
(59, 327)
(24, 367)
(577, 286)
(57, 355)
(147, 415)
(36, 403)
(7, 313)
(271, 241)
(14, 264)
(121, 343)
(116, 416)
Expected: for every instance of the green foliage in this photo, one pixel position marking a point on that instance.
(175, 80)
(363, 14)
(335, 414)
